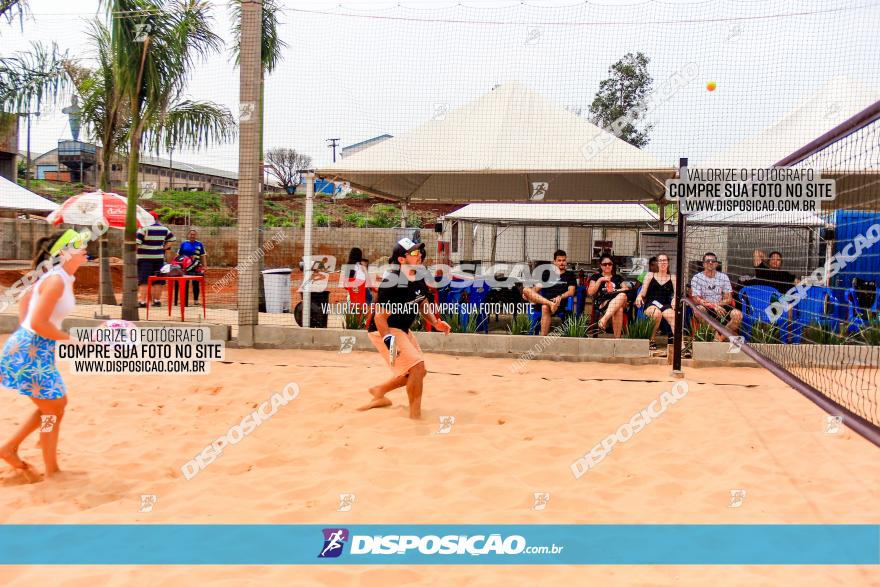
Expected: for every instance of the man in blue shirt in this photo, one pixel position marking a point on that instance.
(194, 249)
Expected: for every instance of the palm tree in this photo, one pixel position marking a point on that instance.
(10, 8)
(155, 45)
(31, 78)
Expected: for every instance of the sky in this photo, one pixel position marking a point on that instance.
(360, 69)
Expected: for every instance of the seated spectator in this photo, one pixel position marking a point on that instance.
(609, 293)
(770, 272)
(548, 299)
(711, 291)
(657, 295)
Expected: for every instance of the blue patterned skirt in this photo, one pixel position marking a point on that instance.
(28, 366)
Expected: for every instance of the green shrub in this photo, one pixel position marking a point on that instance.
(384, 216)
(354, 321)
(818, 333)
(202, 201)
(519, 324)
(356, 219)
(765, 333)
(575, 326)
(704, 333)
(214, 218)
(455, 323)
(272, 221)
(641, 328)
(870, 332)
(320, 219)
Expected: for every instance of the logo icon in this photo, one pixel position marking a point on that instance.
(736, 343)
(142, 31)
(737, 497)
(148, 189)
(440, 111)
(346, 344)
(541, 501)
(246, 111)
(533, 36)
(734, 31)
(47, 423)
(539, 190)
(346, 501)
(446, 423)
(147, 503)
(831, 109)
(833, 424)
(334, 541)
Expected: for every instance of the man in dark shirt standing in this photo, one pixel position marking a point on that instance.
(547, 299)
(771, 273)
(153, 243)
(403, 295)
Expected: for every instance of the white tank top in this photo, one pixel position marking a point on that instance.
(65, 304)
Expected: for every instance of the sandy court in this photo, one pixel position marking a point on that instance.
(513, 435)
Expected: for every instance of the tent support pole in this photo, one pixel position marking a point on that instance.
(307, 252)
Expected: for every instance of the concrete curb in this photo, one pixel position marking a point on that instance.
(9, 322)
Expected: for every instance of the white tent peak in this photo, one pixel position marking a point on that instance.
(495, 146)
(832, 104)
(15, 197)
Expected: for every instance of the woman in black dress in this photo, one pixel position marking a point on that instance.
(657, 295)
(608, 291)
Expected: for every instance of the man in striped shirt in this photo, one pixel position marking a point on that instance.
(153, 243)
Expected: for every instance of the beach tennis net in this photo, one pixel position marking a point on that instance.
(806, 286)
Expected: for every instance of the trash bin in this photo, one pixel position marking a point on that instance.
(276, 282)
(318, 317)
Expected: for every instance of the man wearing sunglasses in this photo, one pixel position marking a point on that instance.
(712, 291)
(403, 295)
(548, 298)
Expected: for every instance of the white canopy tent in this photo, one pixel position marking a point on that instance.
(495, 147)
(527, 232)
(504, 146)
(855, 169)
(15, 197)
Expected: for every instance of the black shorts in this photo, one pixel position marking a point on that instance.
(147, 268)
(663, 308)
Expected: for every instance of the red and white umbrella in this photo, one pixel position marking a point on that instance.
(90, 207)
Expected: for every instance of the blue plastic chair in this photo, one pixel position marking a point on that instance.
(819, 306)
(580, 296)
(755, 300)
(856, 313)
(476, 295)
(563, 312)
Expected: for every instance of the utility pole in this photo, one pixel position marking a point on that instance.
(27, 171)
(333, 144)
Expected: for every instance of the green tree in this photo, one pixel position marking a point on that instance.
(9, 9)
(30, 79)
(621, 100)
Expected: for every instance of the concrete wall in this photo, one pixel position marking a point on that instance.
(17, 238)
(484, 345)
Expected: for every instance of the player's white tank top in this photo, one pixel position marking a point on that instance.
(65, 304)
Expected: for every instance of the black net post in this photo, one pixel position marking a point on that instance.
(681, 287)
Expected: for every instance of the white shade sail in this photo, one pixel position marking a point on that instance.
(555, 214)
(15, 197)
